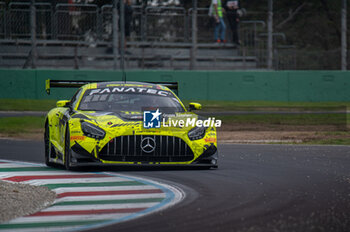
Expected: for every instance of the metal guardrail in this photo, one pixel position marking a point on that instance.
(92, 23)
(138, 24)
(76, 21)
(171, 20)
(88, 25)
(248, 29)
(105, 19)
(249, 32)
(204, 23)
(18, 20)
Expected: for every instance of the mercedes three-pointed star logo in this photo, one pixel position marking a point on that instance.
(148, 144)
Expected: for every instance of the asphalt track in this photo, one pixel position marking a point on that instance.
(256, 188)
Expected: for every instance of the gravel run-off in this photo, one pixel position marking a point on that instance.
(18, 200)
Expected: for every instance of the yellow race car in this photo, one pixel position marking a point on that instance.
(127, 123)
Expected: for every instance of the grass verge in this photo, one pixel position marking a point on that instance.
(26, 105)
(287, 119)
(331, 141)
(329, 127)
(21, 125)
(31, 127)
(269, 105)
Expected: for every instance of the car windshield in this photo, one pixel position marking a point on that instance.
(129, 99)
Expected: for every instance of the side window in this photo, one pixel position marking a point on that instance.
(75, 98)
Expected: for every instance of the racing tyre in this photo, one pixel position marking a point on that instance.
(48, 145)
(67, 151)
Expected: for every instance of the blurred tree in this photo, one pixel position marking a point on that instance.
(309, 24)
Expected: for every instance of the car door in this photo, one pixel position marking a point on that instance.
(58, 128)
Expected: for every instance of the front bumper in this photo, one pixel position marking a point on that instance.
(142, 165)
(81, 157)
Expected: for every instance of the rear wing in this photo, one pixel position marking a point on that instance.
(79, 83)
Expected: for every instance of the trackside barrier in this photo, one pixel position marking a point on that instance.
(160, 19)
(76, 21)
(309, 86)
(19, 20)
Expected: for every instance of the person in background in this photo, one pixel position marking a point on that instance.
(220, 27)
(231, 8)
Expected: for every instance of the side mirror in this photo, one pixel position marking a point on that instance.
(195, 106)
(63, 103)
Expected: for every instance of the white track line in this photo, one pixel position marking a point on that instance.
(111, 197)
(75, 180)
(45, 229)
(71, 218)
(98, 207)
(103, 188)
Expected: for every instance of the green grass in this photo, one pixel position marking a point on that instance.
(18, 125)
(31, 125)
(332, 141)
(268, 105)
(287, 119)
(336, 133)
(344, 141)
(26, 105)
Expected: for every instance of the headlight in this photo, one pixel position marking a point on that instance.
(196, 133)
(92, 131)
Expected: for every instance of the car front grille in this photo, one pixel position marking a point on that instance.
(147, 148)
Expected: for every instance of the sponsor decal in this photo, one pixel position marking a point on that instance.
(151, 119)
(129, 90)
(126, 124)
(130, 112)
(77, 137)
(130, 85)
(210, 140)
(75, 132)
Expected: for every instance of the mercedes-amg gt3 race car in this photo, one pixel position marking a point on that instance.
(127, 123)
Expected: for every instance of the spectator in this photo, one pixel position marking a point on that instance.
(231, 8)
(220, 27)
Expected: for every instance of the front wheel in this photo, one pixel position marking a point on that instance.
(48, 146)
(67, 151)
